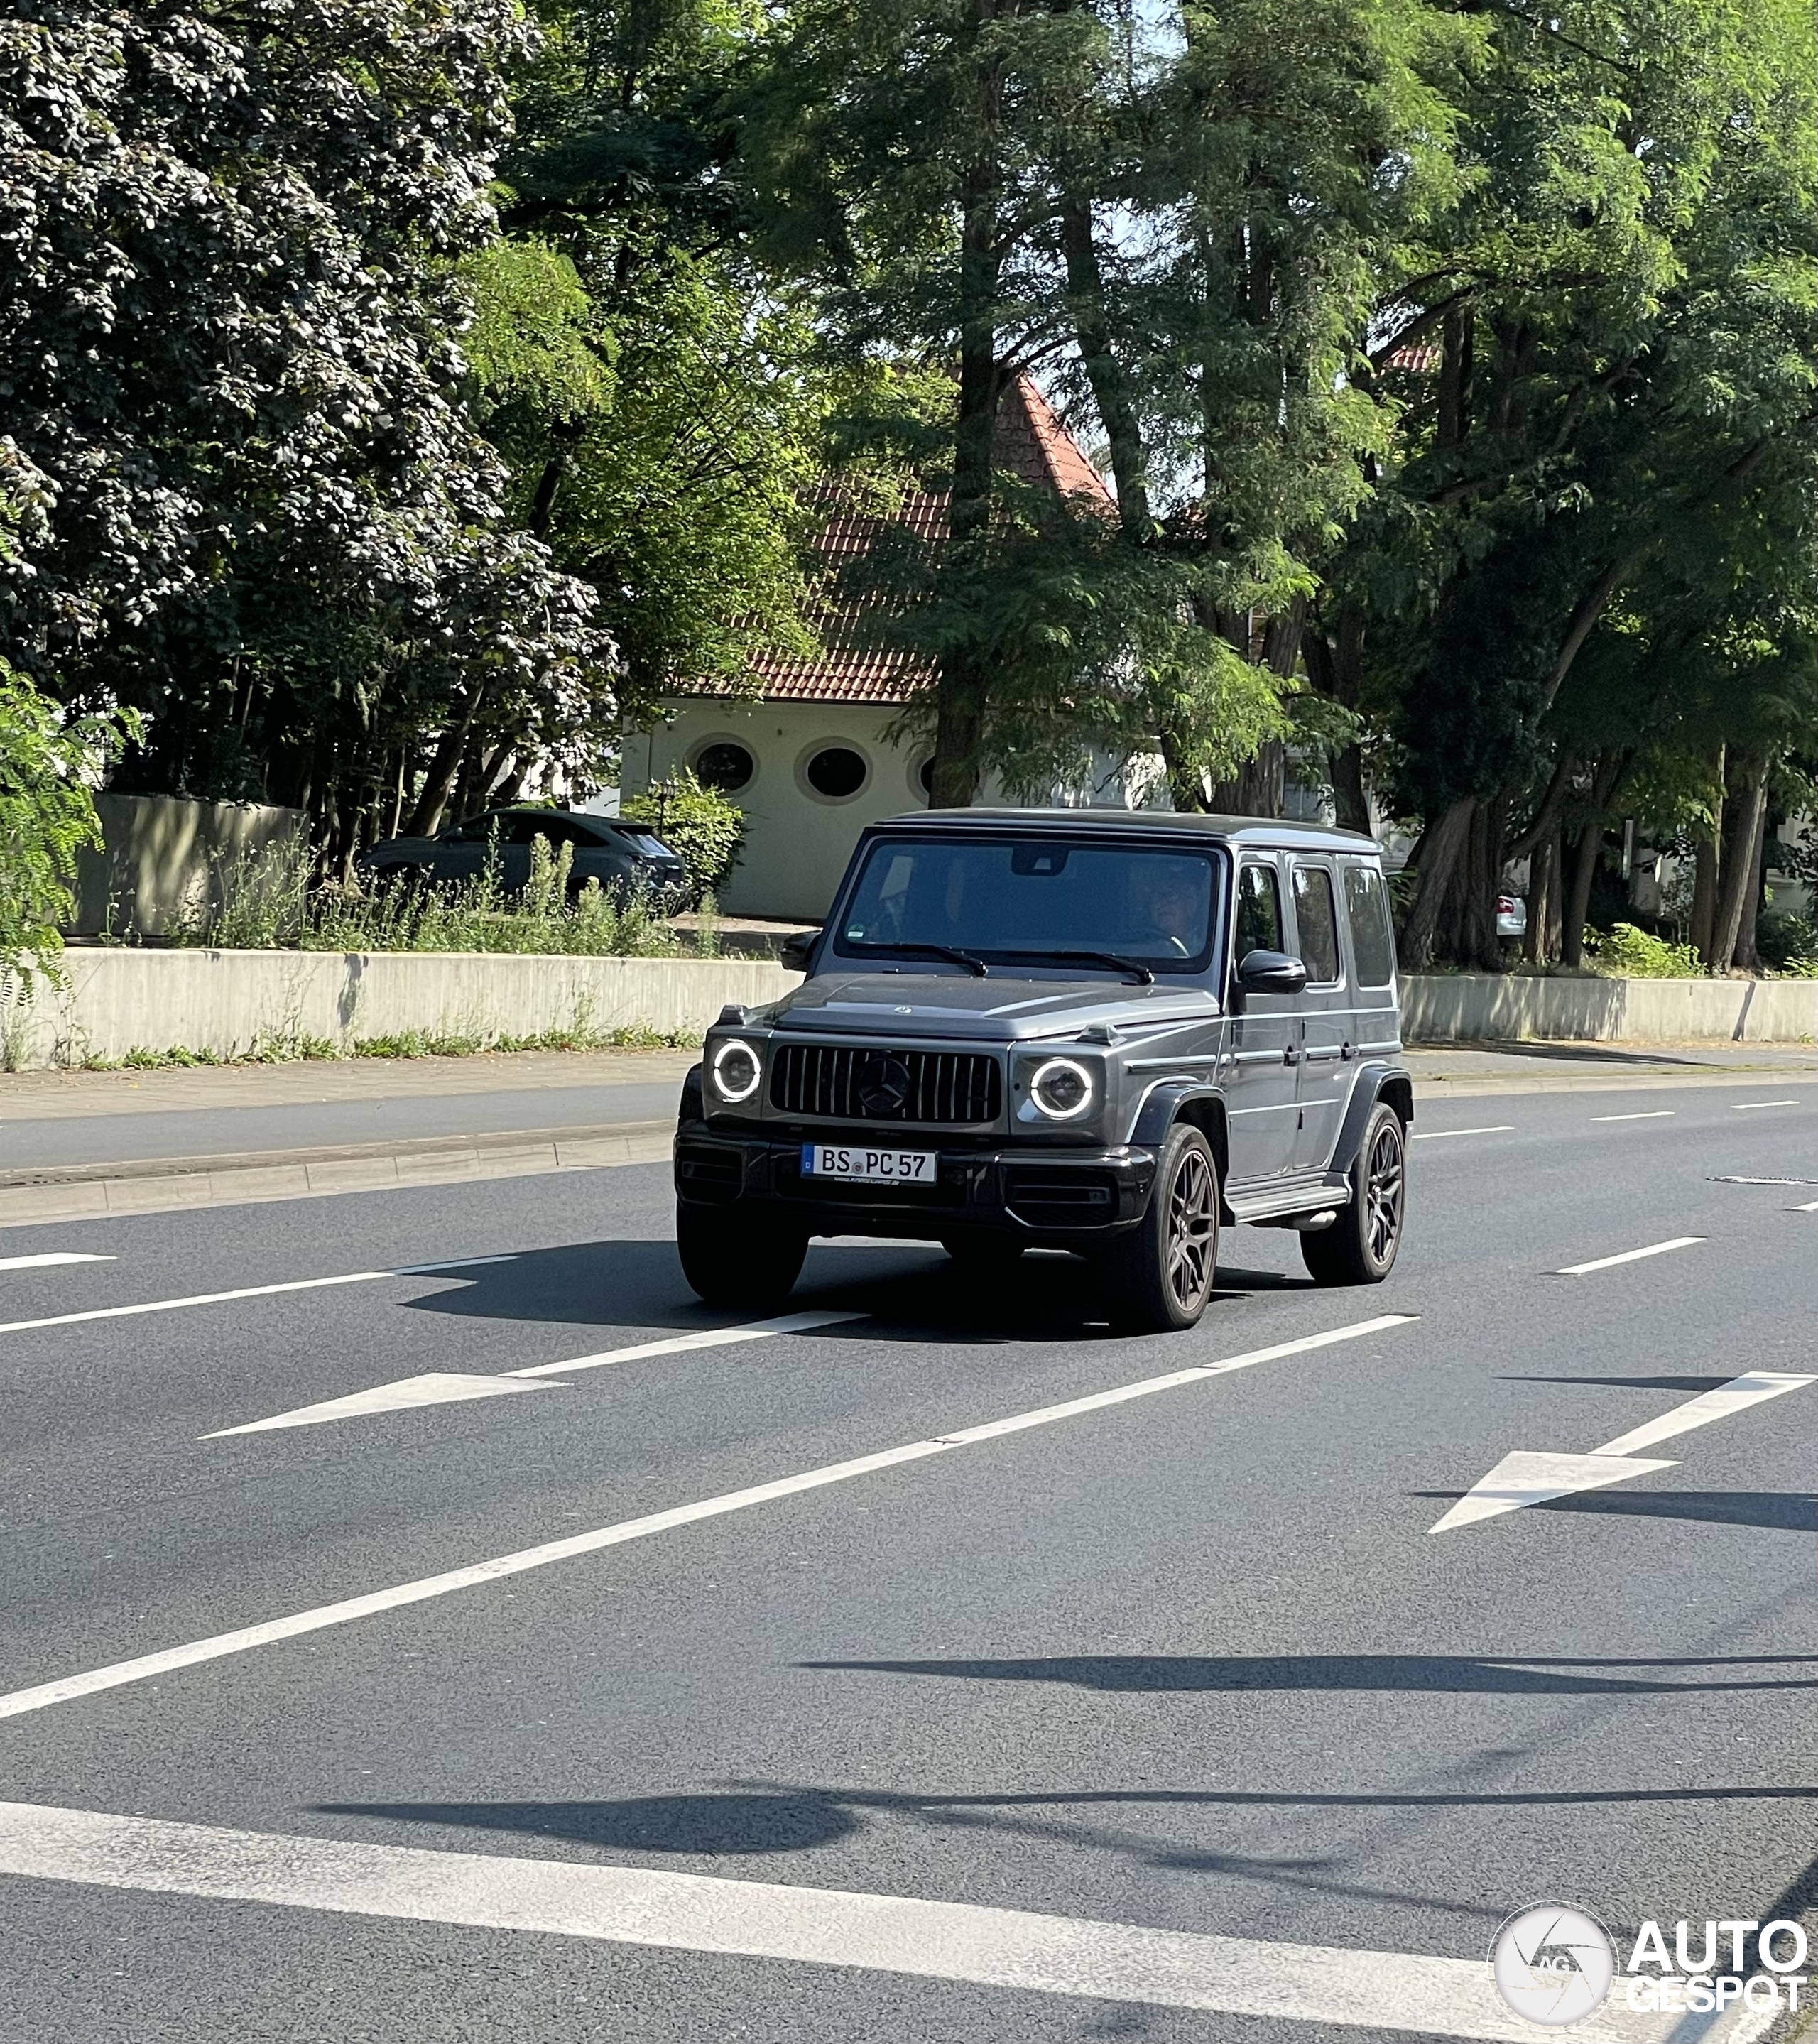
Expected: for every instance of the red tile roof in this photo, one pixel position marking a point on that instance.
(1031, 444)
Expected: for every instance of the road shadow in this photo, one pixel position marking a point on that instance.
(1773, 1510)
(908, 1291)
(1436, 1674)
(1636, 1383)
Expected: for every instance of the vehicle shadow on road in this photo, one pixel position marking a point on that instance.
(1439, 1675)
(905, 1291)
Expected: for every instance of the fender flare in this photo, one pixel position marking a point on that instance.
(1373, 1082)
(1184, 1100)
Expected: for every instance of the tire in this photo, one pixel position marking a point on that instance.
(733, 1257)
(1162, 1274)
(983, 1252)
(1359, 1247)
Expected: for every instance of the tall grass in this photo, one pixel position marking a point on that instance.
(264, 901)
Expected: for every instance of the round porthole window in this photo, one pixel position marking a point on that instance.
(723, 764)
(835, 772)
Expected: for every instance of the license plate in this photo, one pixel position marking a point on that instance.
(877, 1167)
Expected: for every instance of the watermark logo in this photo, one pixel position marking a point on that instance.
(1553, 1963)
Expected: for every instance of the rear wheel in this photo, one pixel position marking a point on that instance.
(735, 1257)
(1359, 1247)
(1161, 1274)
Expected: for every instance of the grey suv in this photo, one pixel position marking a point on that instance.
(1070, 1029)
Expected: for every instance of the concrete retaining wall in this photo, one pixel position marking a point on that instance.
(159, 853)
(229, 1002)
(1476, 1008)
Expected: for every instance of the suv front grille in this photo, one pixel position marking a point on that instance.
(863, 1084)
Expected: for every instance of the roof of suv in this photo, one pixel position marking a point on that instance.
(1260, 831)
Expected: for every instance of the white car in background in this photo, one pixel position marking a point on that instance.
(1511, 917)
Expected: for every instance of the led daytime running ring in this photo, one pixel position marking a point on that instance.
(1043, 1071)
(732, 1094)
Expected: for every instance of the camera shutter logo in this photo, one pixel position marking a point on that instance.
(1553, 1963)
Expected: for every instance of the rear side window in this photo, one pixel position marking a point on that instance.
(1258, 912)
(1315, 917)
(1372, 939)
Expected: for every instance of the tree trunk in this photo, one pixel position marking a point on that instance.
(1110, 387)
(964, 679)
(1741, 875)
(1442, 852)
(1258, 787)
(1543, 868)
(1334, 668)
(1584, 857)
(1555, 934)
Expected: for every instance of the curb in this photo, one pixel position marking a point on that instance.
(163, 1184)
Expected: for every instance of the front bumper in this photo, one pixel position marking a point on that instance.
(1061, 1198)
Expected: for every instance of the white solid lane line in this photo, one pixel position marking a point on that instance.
(43, 1694)
(1653, 1114)
(48, 1259)
(655, 1907)
(446, 1387)
(1751, 1389)
(1439, 1135)
(250, 1291)
(1746, 1106)
(1628, 1256)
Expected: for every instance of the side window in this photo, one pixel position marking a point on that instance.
(1258, 912)
(1372, 939)
(1316, 915)
(522, 829)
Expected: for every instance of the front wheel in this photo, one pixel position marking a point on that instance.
(733, 1257)
(1161, 1273)
(1359, 1247)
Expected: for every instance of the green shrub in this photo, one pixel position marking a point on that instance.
(704, 830)
(1627, 953)
(1788, 942)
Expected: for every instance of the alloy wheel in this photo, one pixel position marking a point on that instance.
(1193, 1231)
(1382, 1191)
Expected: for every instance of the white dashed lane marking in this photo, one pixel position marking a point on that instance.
(1628, 1256)
(1439, 1135)
(47, 1257)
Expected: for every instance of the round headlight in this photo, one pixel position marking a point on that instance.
(736, 1071)
(1060, 1089)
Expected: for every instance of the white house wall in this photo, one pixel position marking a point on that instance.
(798, 842)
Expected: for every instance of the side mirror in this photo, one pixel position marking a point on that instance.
(799, 950)
(1271, 972)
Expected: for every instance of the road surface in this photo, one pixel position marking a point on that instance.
(771, 1688)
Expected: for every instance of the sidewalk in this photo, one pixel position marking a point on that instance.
(78, 1145)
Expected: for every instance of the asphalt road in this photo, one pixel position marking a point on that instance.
(1190, 1661)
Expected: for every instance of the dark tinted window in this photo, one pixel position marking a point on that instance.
(998, 897)
(524, 826)
(1372, 939)
(1315, 917)
(836, 771)
(725, 766)
(1258, 912)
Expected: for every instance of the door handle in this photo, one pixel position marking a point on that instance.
(1290, 1056)
(1348, 1050)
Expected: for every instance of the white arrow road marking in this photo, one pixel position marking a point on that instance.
(49, 1257)
(1531, 1477)
(434, 1387)
(1021, 1949)
(1811, 1206)
(43, 1694)
(788, 1323)
(1737, 1395)
(1628, 1256)
(1439, 1135)
(251, 1292)
(441, 1388)
(1528, 1477)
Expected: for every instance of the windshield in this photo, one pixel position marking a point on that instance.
(1019, 898)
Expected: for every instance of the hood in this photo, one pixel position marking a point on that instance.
(999, 1009)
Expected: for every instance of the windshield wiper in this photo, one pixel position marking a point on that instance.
(976, 966)
(1141, 974)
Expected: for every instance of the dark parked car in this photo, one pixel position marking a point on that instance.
(622, 857)
(1090, 1031)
